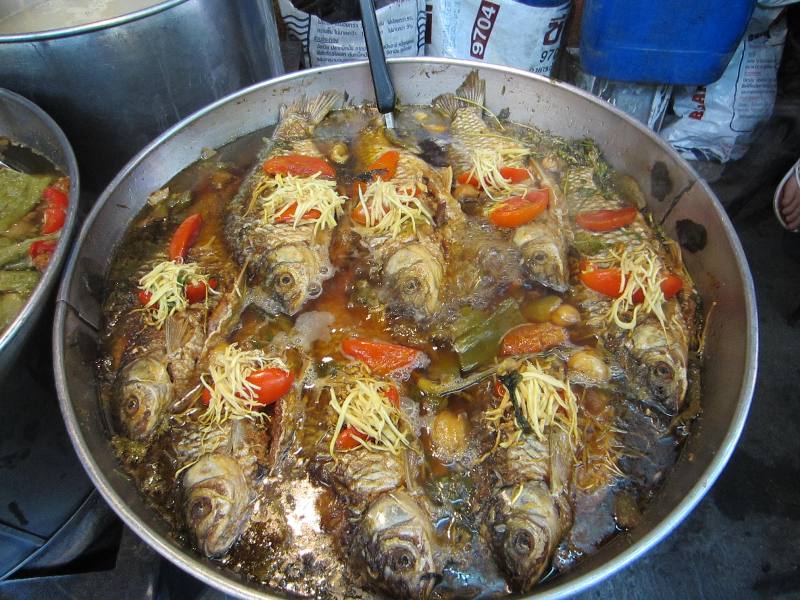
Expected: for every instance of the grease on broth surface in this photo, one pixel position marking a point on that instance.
(446, 409)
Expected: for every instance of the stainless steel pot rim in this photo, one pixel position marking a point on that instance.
(44, 286)
(214, 576)
(49, 34)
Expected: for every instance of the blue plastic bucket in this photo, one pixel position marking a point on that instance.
(661, 41)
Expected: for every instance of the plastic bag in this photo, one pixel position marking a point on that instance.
(331, 32)
(717, 121)
(506, 32)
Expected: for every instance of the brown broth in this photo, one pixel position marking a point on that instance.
(648, 451)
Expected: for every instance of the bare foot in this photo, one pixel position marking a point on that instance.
(789, 204)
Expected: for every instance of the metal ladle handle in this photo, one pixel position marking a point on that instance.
(384, 89)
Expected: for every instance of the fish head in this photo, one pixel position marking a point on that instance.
(396, 538)
(413, 278)
(143, 392)
(294, 276)
(660, 365)
(524, 530)
(543, 256)
(215, 503)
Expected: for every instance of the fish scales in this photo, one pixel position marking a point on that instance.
(286, 262)
(653, 354)
(542, 242)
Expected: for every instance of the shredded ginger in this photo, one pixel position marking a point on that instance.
(367, 408)
(486, 165)
(232, 396)
(388, 210)
(277, 194)
(166, 283)
(641, 270)
(543, 400)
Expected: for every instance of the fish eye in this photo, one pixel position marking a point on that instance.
(663, 370)
(286, 280)
(401, 560)
(522, 542)
(132, 406)
(540, 256)
(199, 509)
(411, 286)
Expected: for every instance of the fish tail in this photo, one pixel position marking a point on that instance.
(314, 109)
(473, 89)
(470, 93)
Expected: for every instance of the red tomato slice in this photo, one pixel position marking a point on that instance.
(40, 247)
(605, 281)
(382, 358)
(55, 198)
(606, 220)
(671, 285)
(467, 178)
(300, 165)
(144, 297)
(348, 438)
(359, 215)
(387, 162)
(185, 236)
(273, 383)
(288, 214)
(393, 396)
(53, 219)
(196, 292)
(514, 174)
(519, 210)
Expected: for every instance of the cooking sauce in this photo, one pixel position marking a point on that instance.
(290, 542)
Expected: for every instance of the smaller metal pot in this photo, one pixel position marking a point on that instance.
(115, 84)
(25, 123)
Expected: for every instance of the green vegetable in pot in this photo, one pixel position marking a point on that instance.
(19, 194)
(480, 342)
(18, 282)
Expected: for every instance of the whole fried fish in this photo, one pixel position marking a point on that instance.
(388, 531)
(287, 254)
(495, 159)
(649, 340)
(394, 218)
(158, 369)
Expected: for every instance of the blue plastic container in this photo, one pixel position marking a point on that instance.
(661, 41)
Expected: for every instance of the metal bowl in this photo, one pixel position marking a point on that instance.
(675, 193)
(116, 83)
(23, 122)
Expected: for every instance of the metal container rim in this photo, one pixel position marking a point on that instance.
(42, 290)
(217, 579)
(51, 34)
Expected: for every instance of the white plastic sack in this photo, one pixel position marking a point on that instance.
(505, 32)
(401, 23)
(718, 121)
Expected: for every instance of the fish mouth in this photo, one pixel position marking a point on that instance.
(660, 368)
(215, 504)
(396, 546)
(294, 277)
(543, 260)
(522, 532)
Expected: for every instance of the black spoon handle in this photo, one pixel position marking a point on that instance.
(384, 90)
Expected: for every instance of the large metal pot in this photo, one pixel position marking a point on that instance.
(115, 84)
(719, 269)
(27, 124)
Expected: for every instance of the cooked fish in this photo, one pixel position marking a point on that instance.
(216, 501)
(279, 223)
(395, 541)
(530, 514)
(394, 218)
(142, 393)
(649, 337)
(482, 153)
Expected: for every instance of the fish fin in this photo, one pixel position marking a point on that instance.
(314, 109)
(473, 89)
(448, 104)
(176, 333)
